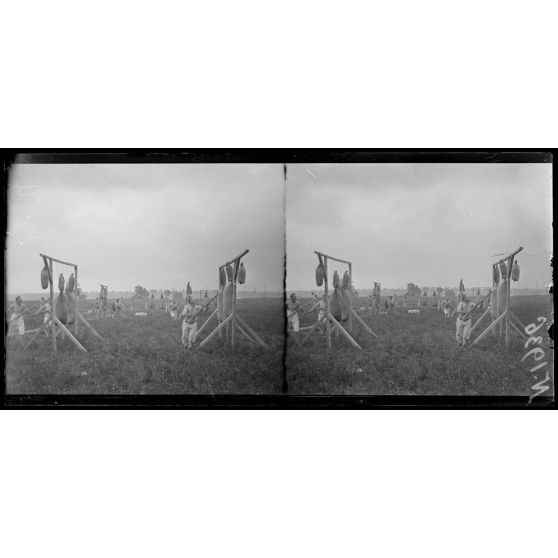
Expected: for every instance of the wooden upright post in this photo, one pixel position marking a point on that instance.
(233, 309)
(219, 290)
(328, 314)
(351, 295)
(510, 262)
(52, 313)
(77, 298)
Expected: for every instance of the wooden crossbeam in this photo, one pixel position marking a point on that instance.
(235, 259)
(56, 260)
(513, 254)
(332, 258)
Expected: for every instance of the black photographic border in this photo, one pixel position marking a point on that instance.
(285, 157)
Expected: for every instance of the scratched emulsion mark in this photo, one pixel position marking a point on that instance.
(542, 370)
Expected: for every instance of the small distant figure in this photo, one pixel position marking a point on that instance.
(173, 311)
(45, 310)
(293, 309)
(190, 323)
(463, 322)
(445, 307)
(117, 307)
(376, 293)
(320, 305)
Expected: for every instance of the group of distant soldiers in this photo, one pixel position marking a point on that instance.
(463, 310)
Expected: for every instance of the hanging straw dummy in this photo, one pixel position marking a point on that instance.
(320, 275)
(242, 274)
(515, 271)
(44, 277)
(228, 291)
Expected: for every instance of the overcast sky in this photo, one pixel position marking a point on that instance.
(158, 226)
(431, 224)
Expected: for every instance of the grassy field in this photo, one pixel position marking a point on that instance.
(417, 354)
(144, 355)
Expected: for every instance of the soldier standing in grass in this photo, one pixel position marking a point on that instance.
(45, 310)
(463, 323)
(190, 323)
(320, 304)
(293, 309)
(173, 310)
(17, 309)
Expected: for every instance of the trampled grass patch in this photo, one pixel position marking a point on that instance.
(415, 354)
(144, 355)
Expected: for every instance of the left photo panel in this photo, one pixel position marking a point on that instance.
(125, 279)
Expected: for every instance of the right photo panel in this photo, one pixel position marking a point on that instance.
(419, 279)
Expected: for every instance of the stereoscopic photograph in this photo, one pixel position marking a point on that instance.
(419, 279)
(130, 279)
(279, 279)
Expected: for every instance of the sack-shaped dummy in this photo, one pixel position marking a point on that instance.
(493, 304)
(222, 278)
(65, 308)
(335, 280)
(188, 289)
(346, 280)
(242, 274)
(227, 298)
(346, 305)
(503, 270)
(220, 307)
(515, 272)
(71, 284)
(501, 296)
(319, 275)
(61, 282)
(44, 277)
(336, 304)
(495, 275)
(229, 270)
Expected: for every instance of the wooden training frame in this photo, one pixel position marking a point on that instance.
(329, 319)
(233, 322)
(507, 317)
(54, 321)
